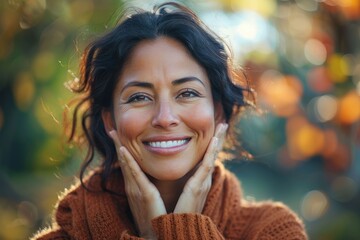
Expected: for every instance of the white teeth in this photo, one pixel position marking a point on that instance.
(167, 144)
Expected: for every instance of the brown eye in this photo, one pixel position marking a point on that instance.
(138, 97)
(188, 93)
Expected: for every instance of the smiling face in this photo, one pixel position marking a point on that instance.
(163, 109)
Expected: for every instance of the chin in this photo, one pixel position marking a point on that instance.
(169, 177)
(169, 174)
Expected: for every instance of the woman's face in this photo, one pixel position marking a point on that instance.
(163, 109)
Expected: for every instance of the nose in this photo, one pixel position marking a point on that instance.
(165, 116)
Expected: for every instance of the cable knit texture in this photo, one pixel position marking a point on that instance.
(83, 214)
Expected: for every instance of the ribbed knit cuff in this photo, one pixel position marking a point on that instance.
(185, 226)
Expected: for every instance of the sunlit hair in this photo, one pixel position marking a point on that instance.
(104, 59)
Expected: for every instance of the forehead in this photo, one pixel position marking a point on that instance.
(161, 59)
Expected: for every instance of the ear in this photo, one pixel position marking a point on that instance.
(108, 120)
(219, 113)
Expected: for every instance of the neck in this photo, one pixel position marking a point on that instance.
(170, 191)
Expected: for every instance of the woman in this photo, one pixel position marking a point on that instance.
(159, 94)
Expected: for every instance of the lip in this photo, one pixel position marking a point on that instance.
(165, 138)
(169, 150)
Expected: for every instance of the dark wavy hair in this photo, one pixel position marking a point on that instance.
(104, 59)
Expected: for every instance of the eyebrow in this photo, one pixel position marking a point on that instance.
(151, 86)
(186, 79)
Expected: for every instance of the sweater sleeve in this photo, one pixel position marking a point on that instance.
(185, 226)
(282, 223)
(64, 222)
(50, 234)
(271, 221)
(71, 222)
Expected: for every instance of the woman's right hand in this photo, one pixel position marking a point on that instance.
(144, 198)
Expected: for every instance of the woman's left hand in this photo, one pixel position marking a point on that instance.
(198, 186)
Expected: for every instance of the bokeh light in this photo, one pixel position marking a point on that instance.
(304, 139)
(315, 52)
(349, 108)
(280, 93)
(319, 80)
(24, 90)
(338, 68)
(325, 107)
(263, 7)
(314, 205)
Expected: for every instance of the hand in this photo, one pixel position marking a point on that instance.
(144, 198)
(198, 186)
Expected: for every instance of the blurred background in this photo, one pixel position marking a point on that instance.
(302, 57)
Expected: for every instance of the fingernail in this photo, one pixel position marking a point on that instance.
(111, 133)
(225, 126)
(122, 153)
(216, 140)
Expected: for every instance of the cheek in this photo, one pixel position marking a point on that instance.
(202, 120)
(130, 124)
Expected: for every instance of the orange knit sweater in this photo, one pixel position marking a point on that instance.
(83, 214)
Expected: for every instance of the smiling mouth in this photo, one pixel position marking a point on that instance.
(167, 144)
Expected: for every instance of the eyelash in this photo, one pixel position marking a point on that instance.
(189, 91)
(137, 97)
(141, 97)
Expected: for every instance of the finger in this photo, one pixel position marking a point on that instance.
(146, 188)
(132, 188)
(213, 149)
(196, 189)
(137, 184)
(218, 130)
(220, 133)
(115, 138)
(136, 172)
(128, 177)
(206, 167)
(117, 143)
